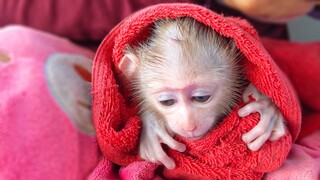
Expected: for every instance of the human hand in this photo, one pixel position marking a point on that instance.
(273, 10)
(153, 134)
(271, 125)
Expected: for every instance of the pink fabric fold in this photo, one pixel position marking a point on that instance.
(303, 161)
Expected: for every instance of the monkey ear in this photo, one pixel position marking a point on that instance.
(128, 65)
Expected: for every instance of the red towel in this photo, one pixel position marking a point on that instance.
(301, 63)
(222, 153)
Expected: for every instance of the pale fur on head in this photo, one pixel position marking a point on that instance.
(185, 48)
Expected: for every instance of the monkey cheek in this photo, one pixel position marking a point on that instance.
(179, 131)
(202, 131)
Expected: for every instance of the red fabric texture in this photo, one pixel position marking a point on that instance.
(222, 153)
(301, 63)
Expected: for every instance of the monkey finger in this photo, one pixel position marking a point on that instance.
(279, 130)
(247, 92)
(146, 149)
(258, 142)
(167, 162)
(275, 135)
(252, 107)
(161, 155)
(251, 90)
(143, 156)
(172, 143)
(266, 120)
(143, 152)
(151, 156)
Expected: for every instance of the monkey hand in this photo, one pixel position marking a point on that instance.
(153, 134)
(271, 125)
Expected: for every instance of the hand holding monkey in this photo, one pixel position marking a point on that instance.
(270, 127)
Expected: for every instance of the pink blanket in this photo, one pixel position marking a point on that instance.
(303, 161)
(37, 139)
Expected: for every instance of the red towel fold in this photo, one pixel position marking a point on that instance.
(222, 153)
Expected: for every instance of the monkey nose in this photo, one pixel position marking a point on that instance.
(189, 126)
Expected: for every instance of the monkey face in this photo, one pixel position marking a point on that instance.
(189, 111)
(187, 73)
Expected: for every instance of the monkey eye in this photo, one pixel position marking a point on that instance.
(201, 99)
(168, 102)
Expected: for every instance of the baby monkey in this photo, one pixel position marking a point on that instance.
(187, 78)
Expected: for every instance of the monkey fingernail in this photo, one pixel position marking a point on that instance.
(274, 138)
(182, 148)
(253, 147)
(171, 166)
(245, 139)
(242, 113)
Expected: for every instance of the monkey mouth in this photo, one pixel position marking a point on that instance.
(194, 137)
